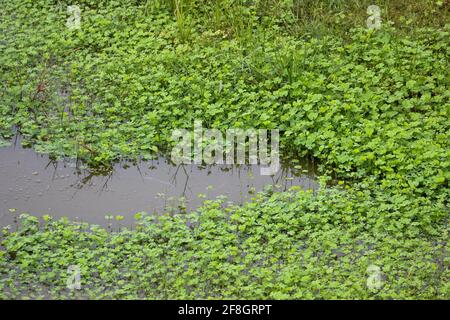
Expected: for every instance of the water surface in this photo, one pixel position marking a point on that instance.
(31, 182)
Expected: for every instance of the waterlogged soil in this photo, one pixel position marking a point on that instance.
(33, 183)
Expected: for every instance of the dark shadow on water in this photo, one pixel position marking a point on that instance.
(33, 183)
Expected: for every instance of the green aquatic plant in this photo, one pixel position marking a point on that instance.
(295, 244)
(371, 106)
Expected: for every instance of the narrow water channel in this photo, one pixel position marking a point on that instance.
(32, 183)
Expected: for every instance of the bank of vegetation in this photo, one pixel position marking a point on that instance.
(371, 105)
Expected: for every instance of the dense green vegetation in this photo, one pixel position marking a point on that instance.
(289, 245)
(371, 105)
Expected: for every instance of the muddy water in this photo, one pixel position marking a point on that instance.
(31, 182)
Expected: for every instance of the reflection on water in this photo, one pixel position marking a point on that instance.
(30, 182)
